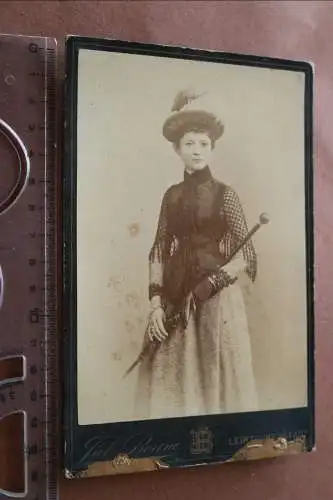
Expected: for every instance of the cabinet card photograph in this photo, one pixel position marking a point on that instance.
(190, 210)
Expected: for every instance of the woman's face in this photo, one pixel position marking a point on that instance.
(195, 150)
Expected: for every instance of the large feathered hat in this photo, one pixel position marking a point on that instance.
(191, 111)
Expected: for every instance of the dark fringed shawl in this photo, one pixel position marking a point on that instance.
(201, 221)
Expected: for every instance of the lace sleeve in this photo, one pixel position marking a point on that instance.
(159, 251)
(237, 225)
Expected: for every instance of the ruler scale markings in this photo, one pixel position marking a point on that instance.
(31, 231)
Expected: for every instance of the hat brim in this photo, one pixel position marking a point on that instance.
(177, 124)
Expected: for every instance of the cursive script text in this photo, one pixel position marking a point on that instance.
(104, 447)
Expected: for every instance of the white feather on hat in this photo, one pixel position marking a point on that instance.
(192, 110)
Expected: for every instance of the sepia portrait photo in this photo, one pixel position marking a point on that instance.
(190, 238)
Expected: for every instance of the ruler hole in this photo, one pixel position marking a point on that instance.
(10, 79)
(2, 287)
(12, 369)
(12, 455)
(9, 167)
(15, 168)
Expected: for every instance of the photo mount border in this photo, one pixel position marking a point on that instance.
(86, 445)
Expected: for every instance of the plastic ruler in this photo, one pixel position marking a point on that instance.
(28, 256)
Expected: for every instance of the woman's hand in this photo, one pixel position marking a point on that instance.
(156, 328)
(234, 267)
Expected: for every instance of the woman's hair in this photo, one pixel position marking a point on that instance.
(199, 129)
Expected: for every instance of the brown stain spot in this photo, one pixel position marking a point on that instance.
(113, 282)
(134, 229)
(132, 298)
(129, 326)
(116, 356)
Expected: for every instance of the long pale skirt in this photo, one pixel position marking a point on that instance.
(204, 369)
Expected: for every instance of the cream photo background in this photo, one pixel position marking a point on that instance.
(124, 165)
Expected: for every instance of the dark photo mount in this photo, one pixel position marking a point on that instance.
(105, 437)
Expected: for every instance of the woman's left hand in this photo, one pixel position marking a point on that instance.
(156, 327)
(234, 267)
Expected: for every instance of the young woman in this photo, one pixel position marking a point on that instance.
(200, 354)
